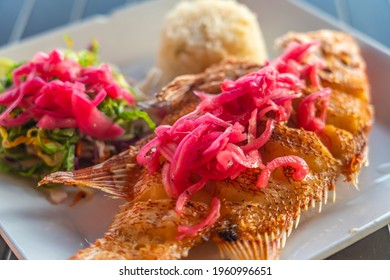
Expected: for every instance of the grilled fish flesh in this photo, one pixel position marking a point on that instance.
(253, 223)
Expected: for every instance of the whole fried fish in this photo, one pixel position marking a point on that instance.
(253, 223)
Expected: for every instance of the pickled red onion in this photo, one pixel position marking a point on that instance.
(308, 117)
(300, 166)
(58, 92)
(212, 217)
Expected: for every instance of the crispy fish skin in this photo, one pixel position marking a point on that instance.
(179, 97)
(345, 68)
(254, 224)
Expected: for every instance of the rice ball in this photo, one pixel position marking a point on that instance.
(199, 33)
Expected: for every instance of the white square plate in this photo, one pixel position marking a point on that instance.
(37, 229)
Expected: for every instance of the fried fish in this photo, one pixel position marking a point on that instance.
(248, 222)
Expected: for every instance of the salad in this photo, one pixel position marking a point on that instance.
(64, 110)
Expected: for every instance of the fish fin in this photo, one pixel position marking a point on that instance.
(259, 247)
(114, 176)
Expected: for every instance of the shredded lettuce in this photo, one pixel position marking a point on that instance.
(135, 114)
(124, 115)
(85, 58)
(6, 67)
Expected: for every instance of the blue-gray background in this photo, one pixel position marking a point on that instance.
(23, 18)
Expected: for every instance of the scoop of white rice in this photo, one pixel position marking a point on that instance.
(198, 33)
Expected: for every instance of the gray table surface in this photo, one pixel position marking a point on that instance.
(20, 19)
